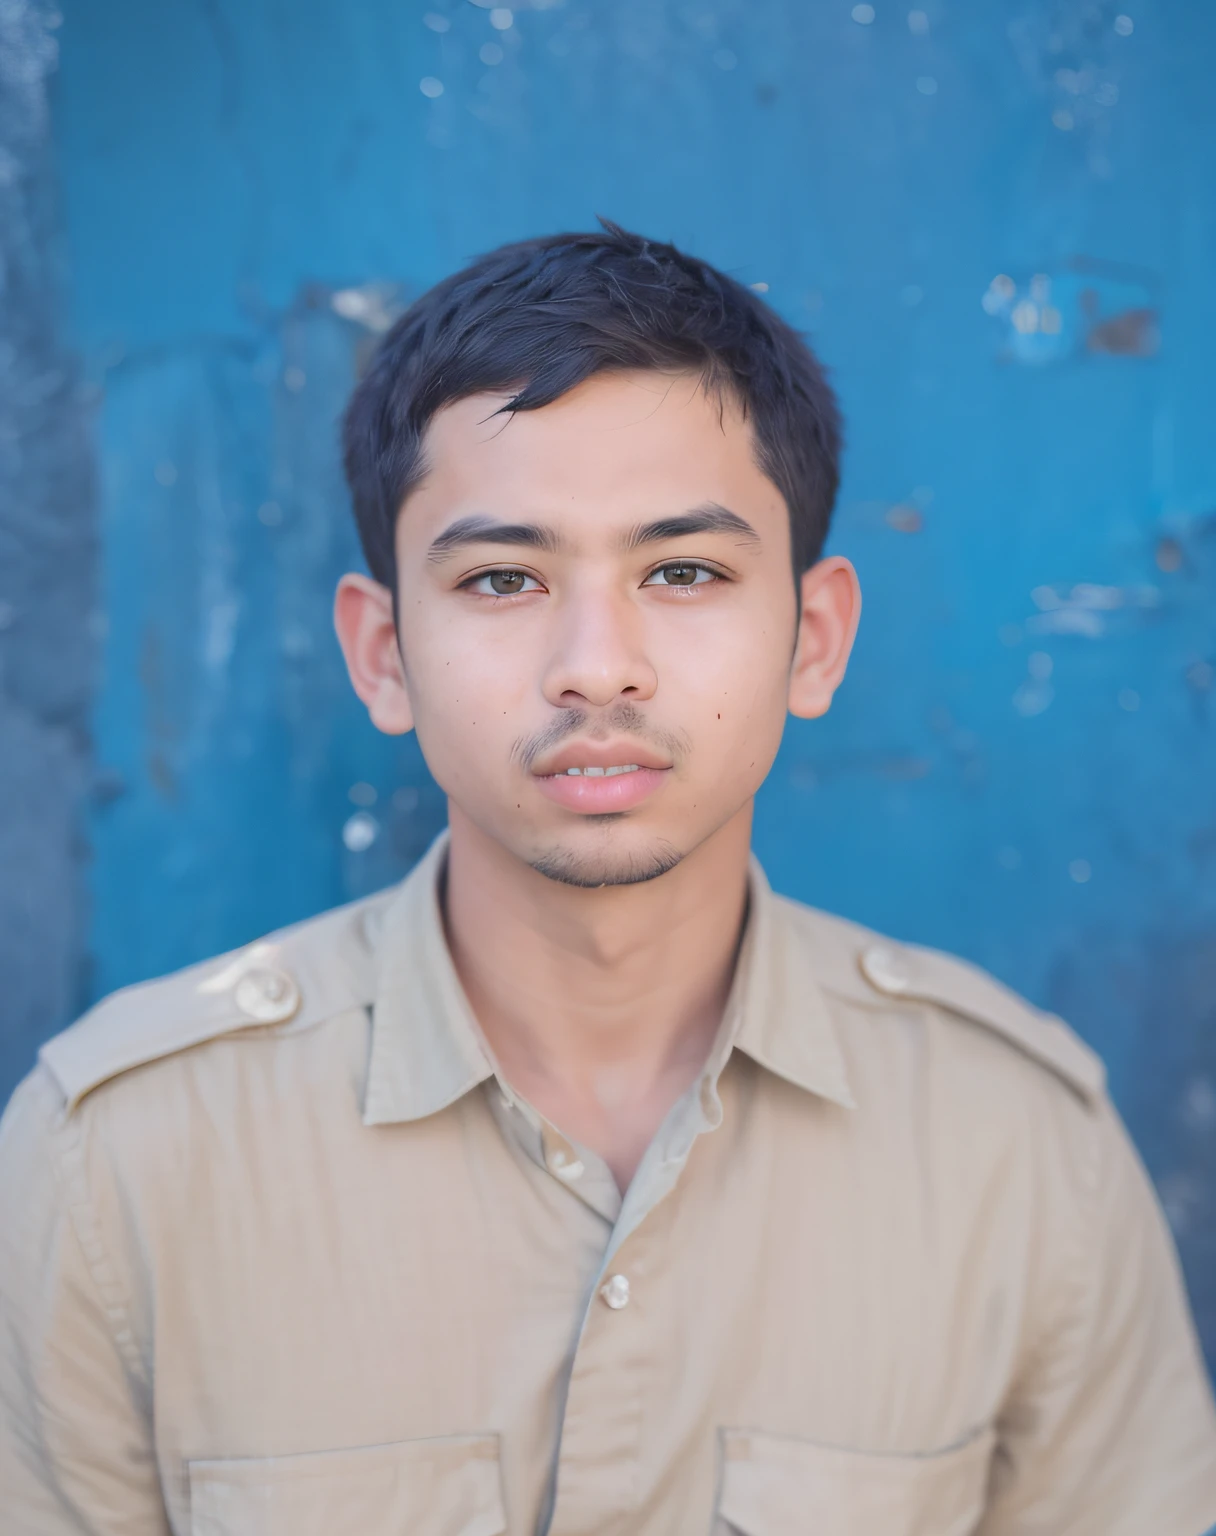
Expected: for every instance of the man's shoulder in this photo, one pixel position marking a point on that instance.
(286, 982)
(860, 967)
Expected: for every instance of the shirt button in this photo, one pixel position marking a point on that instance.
(267, 995)
(884, 969)
(615, 1292)
(564, 1164)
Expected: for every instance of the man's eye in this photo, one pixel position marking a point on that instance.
(680, 573)
(503, 583)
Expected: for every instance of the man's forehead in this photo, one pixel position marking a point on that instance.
(617, 449)
(629, 400)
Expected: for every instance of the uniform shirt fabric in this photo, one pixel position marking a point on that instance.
(282, 1254)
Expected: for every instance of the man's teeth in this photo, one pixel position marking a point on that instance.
(603, 773)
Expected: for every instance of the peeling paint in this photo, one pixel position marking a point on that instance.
(1086, 307)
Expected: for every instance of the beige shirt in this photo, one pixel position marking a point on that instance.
(281, 1255)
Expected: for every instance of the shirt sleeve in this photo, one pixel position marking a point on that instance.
(76, 1452)
(1112, 1432)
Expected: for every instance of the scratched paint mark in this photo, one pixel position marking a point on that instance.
(904, 518)
(1074, 59)
(1086, 308)
(1130, 333)
(1091, 610)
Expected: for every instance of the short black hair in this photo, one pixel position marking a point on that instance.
(540, 316)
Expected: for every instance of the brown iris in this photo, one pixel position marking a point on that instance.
(507, 583)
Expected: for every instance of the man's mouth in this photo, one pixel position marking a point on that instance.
(601, 779)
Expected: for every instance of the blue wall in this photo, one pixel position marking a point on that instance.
(48, 564)
(997, 219)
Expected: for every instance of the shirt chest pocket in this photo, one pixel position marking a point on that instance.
(773, 1486)
(443, 1487)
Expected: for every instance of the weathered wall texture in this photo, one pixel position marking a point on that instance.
(998, 220)
(48, 633)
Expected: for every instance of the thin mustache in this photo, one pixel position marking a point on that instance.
(622, 719)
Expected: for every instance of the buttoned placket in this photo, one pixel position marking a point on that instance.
(606, 1392)
(601, 1417)
(586, 1176)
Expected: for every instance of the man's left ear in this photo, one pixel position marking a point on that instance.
(829, 610)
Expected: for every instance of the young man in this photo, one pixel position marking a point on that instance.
(582, 1185)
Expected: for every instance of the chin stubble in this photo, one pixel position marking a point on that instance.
(591, 872)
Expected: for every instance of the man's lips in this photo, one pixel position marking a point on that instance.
(601, 794)
(598, 778)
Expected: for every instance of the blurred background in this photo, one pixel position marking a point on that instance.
(997, 222)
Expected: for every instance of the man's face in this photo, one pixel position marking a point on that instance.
(597, 616)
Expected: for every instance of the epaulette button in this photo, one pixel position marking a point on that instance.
(267, 995)
(884, 969)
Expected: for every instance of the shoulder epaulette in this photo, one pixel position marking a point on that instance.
(855, 964)
(927, 975)
(295, 978)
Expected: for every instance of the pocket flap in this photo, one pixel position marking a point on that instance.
(775, 1486)
(446, 1487)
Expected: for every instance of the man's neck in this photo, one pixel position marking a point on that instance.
(600, 1005)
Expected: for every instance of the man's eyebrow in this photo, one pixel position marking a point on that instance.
(479, 529)
(710, 518)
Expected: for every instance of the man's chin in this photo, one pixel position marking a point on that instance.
(591, 870)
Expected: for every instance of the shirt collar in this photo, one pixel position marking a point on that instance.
(777, 1012)
(426, 1050)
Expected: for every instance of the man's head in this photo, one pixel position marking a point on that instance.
(584, 468)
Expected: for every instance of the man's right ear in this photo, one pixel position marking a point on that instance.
(363, 618)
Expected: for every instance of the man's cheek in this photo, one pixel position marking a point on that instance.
(737, 688)
(466, 727)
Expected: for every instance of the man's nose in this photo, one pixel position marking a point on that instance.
(599, 654)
